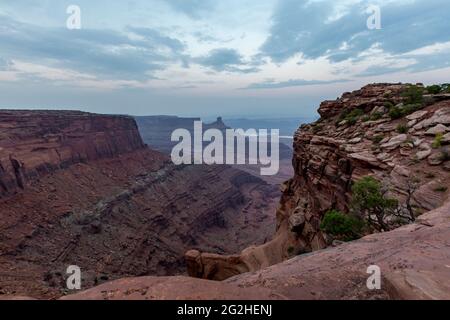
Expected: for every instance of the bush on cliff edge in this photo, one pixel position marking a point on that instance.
(371, 203)
(342, 226)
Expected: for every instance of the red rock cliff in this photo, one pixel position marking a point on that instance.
(356, 136)
(33, 143)
(115, 214)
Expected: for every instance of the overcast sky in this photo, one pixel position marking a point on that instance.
(250, 58)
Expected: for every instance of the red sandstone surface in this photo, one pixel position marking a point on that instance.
(82, 189)
(414, 262)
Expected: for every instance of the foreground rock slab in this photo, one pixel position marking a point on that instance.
(169, 288)
(414, 262)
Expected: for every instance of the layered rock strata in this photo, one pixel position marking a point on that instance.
(34, 143)
(337, 150)
(92, 195)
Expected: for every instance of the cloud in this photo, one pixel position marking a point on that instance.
(315, 29)
(225, 59)
(156, 39)
(192, 8)
(271, 84)
(133, 54)
(5, 65)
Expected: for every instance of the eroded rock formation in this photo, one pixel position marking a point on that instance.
(337, 150)
(34, 143)
(84, 190)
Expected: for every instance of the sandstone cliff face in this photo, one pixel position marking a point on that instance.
(93, 195)
(34, 143)
(331, 154)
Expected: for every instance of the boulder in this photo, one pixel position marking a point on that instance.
(438, 129)
(423, 154)
(417, 142)
(355, 140)
(442, 116)
(365, 156)
(411, 123)
(417, 115)
(446, 166)
(384, 157)
(435, 159)
(401, 170)
(446, 138)
(395, 142)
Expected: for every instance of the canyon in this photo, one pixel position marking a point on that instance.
(84, 189)
(334, 152)
(156, 131)
(374, 131)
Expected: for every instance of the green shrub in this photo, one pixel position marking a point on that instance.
(395, 113)
(445, 88)
(441, 189)
(341, 226)
(376, 116)
(291, 250)
(445, 155)
(430, 175)
(402, 128)
(437, 143)
(317, 128)
(353, 116)
(352, 121)
(377, 139)
(355, 113)
(369, 202)
(342, 116)
(434, 89)
(399, 112)
(413, 95)
(389, 105)
(411, 108)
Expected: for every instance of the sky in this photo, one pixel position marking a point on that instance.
(235, 58)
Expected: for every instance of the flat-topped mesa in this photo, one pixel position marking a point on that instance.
(397, 133)
(34, 143)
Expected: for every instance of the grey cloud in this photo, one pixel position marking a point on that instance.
(192, 8)
(4, 64)
(225, 60)
(155, 38)
(424, 62)
(379, 70)
(206, 38)
(107, 53)
(301, 26)
(430, 62)
(270, 84)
